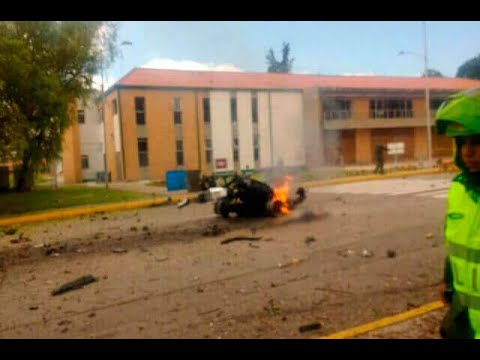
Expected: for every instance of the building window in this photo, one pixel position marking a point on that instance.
(208, 150)
(114, 107)
(81, 116)
(254, 108)
(390, 108)
(140, 110)
(142, 152)
(233, 108)
(177, 117)
(177, 111)
(256, 148)
(179, 145)
(206, 110)
(84, 162)
(337, 109)
(235, 150)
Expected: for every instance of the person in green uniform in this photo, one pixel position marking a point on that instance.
(459, 117)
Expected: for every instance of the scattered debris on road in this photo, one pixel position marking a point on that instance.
(54, 251)
(291, 263)
(429, 235)
(240, 238)
(119, 250)
(159, 256)
(183, 203)
(209, 312)
(309, 239)
(367, 253)
(33, 307)
(253, 246)
(215, 230)
(271, 309)
(10, 231)
(74, 285)
(21, 239)
(411, 305)
(391, 253)
(310, 327)
(345, 252)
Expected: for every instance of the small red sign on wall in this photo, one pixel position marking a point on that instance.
(221, 163)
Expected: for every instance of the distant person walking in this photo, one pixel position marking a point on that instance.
(379, 158)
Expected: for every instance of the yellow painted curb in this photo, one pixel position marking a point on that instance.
(385, 321)
(73, 212)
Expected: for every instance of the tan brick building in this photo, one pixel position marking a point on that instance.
(161, 120)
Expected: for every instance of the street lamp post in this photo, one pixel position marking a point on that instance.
(427, 96)
(427, 91)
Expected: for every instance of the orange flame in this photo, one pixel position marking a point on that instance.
(280, 194)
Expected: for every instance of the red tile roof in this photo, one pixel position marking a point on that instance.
(245, 80)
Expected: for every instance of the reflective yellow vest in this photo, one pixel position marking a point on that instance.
(462, 237)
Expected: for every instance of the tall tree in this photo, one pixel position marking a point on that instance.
(470, 68)
(45, 66)
(284, 66)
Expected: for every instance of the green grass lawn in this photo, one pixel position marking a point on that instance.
(46, 198)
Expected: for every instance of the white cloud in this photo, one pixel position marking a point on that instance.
(97, 82)
(163, 63)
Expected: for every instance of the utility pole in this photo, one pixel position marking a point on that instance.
(427, 97)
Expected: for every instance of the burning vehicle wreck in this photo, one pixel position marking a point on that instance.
(247, 197)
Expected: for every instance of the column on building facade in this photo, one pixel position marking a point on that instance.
(313, 127)
(264, 129)
(288, 129)
(245, 129)
(363, 146)
(221, 125)
(420, 141)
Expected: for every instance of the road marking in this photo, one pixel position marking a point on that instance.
(436, 188)
(385, 321)
(442, 193)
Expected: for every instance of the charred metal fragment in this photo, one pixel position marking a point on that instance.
(248, 197)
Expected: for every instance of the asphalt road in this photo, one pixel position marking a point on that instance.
(374, 250)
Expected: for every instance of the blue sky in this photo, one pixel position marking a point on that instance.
(321, 47)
